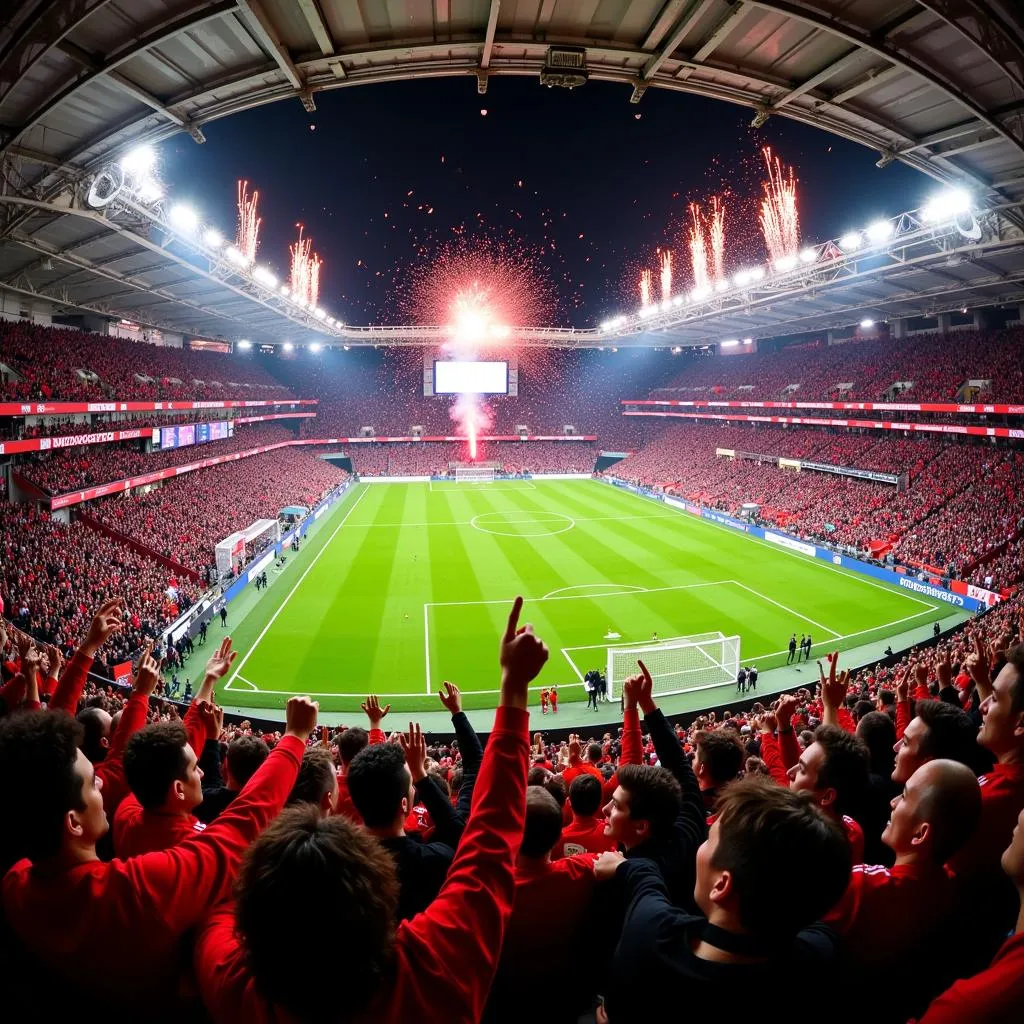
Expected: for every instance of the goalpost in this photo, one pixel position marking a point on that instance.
(474, 474)
(678, 665)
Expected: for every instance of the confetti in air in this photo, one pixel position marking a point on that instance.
(779, 218)
(646, 287)
(247, 237)
(305, 270)
(666, 275)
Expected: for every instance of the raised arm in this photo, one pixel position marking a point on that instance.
(198, 723)
(979, 664)
(447, 826)
(632, 751)
(459, 936)
(469, 744)
(904, 705)
(107, 621)
(375, 714)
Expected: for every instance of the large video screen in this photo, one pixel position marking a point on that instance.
(188, 434)
(464, 377)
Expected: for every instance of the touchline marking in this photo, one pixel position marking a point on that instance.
(316, 558)
(779, 604)
(426, 643)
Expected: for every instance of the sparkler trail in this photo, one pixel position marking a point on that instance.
(780, 221)
(716, 232)
(473, 419)
(666, 275)
(646, 287)
(698, 247)
(305, 269)
(247, 237)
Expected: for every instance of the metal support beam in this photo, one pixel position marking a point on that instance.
(695, 9)
(256, 19)
(492, 26)
(315, 20)
(721, 31)
(874, 78)
(815, 80)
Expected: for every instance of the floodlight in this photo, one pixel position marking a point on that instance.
(700, 293)
(666, 306)
(851, 241)
(213, 238)
(867, 323)
(677, 301)
(285, 290)
(757, 274)
(676, 350)
(748, 341)
(149, 191)
(345, 347)
(139, 161)
(183, 218)
(722, 286)
(946, 206)
(648, 311)
(880, 231)
(289, 347)
(808, 255)
(315, 347)
(245, 343)
(235, 255)
(784, 263)
(731, 343)
(264, 276)
(319, 314)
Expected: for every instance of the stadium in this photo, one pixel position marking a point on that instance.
(651, 444)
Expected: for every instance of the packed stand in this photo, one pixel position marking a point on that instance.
(47, 361)
(187, 516)
(71, 469)
(854, 830)
(430, 458)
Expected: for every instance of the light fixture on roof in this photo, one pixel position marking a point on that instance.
(880, 231)
(722, 286)
(288, 346)
(264, 276)
(867, 323)
(149, 191)
(808, 255)
(285, 290)
(946, 206)
(213, 238)
(183, 218)
(236, 256)
(785, 263)
(731, 343)
(851, 241)
(244, 343)
(139, 161)
(315, 346)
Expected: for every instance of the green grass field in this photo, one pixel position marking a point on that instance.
(405, 585)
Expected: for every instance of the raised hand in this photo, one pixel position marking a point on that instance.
(979, 665)
(414, 747)
(218, 721)
(221, 659)
(784, 710)
(574, 748)
(944, 669)
(644, 688)
(767, 722)
(147, 675)
(630, 690)
(31, 659)
(833, 688)
(56, 661)
(109, 619)
(903, 685)
(921, 674)
(300, 717)
(522, 655)
(606, 865)
(373, 711)
(208, 716)
(451, 698)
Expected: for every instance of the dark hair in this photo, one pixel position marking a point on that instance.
(773, 840)
(455, 780)
(356, 889)
(1015, 657)
(377, 782)
(585, 795)
(543, 826)
(315, 779)
(887, 697)
(351, 742)
(536, 777)
(878, 733)
(38, 752)
(556, 787)
(655, 795)
(245, 755)
(863, 708)
(96, 726)
(951, 735)
(154, 758)
(846, 766)
(594, 753)
(722, 752)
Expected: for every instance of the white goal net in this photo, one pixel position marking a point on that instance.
(678, 665)
(474, 474)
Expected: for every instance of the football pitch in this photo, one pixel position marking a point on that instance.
(405, 585)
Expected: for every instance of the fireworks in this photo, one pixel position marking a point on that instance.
(716, 235)
(698, 242)
(473, 418)
(247, 237)
(666, 275)
(469, 278)
(305, 270)
(780, 222)
(646, 287)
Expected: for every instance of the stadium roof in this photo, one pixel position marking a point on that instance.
(937, 84)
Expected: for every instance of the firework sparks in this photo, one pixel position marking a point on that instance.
(698, 242)
(646, 287)
(305, 270)
(247, 237)
(666, 275)
(779, 219)
(473, 419)
(716, 234)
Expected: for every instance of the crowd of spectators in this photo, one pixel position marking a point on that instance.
(60, 364)
(938, 521)
(426, 459)
(185, 517)
(71, 469)
(52, 574)
(923, 368)
(836, 836)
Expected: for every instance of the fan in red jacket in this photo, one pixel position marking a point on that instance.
(904, 914)
(67, 908)
(586, 832)
(996, 995)
(260, 960)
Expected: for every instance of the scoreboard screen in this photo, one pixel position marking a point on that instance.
(470, 377)
(186, 434)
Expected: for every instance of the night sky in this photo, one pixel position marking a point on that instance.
(580, 186)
